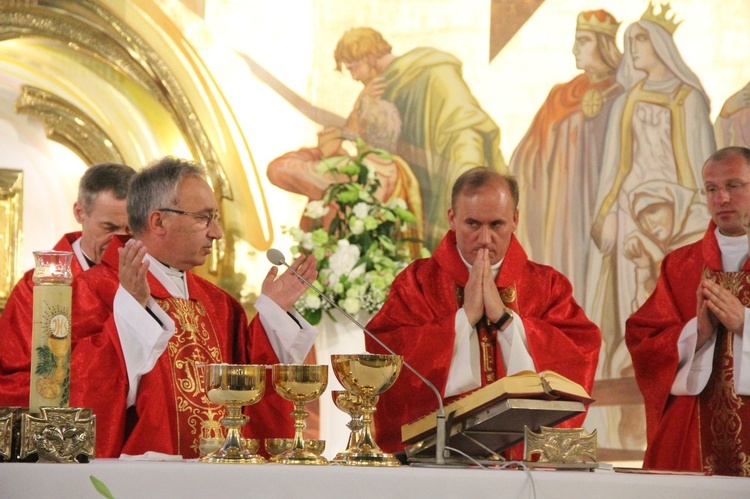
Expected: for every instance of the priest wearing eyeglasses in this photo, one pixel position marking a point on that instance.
(689, 341)
(162, 322)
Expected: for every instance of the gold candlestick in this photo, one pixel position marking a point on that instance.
(50, 337)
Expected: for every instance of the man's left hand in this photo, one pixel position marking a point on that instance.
(288, 288)
(725, 306)
(493, 304)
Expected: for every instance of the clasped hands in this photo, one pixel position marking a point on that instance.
(285, 290)
(481, 296)
(717, 305)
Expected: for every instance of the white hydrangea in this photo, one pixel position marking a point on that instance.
(342, 260)
(351, 305)
(306, 241)
(361, 210)
(312, 301)
(316, 209)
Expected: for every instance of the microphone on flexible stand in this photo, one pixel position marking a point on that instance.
(277, 258)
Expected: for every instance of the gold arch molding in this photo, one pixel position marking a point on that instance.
(68, 125)
(117, 81)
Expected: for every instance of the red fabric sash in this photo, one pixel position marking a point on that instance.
(490, 357)
(725, 441)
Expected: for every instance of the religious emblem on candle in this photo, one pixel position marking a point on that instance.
(50, 343)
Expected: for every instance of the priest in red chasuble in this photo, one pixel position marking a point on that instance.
(162, 322)
(100, 209)
(447, 314)
(687, 341)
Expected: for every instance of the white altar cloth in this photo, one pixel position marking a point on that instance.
(138, 479)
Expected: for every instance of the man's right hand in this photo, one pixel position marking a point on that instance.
(473, 292)
(133, 271)
(706, 320)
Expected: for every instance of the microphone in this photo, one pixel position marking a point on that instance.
(277, 258)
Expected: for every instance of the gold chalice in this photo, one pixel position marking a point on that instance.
(367, 376)
(300, 383)
(278, 446)
(352, 405)
(234, 386)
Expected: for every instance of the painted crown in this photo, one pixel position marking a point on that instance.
(599, 21)
(661, 19)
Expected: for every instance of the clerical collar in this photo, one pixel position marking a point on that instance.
(170, 271)
(83, 259)
(172, 279)
(495, 268)
(734, 251)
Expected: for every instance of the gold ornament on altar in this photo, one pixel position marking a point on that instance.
(59, 435)
(234, 386)
(300, 383)
(560, 447)
(6, 433)
(366, 376)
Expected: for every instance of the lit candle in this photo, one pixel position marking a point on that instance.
(50, 338)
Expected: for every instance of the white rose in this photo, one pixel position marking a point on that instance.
(306, 241)
(312, 301)
(397, 203)
(357, 226)
(351, 305)
(361, 210)
(316, 209)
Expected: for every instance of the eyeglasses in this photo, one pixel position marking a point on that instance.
(731, 187)
(206, 218)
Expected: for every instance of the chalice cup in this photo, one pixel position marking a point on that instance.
(300, 383)
(234, 386)
(276, 447)
(352, 405)
(367, 376)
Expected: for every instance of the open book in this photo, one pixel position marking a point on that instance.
(546, 385)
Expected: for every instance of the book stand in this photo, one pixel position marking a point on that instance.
(486, 433)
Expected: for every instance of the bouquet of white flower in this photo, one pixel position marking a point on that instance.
(364, 246)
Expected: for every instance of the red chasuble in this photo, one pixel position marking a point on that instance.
(15, 333)
(171, 409)
(690, 433)
(418, 319)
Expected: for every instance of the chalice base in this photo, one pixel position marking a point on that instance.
(299, 457)
(360, 458)
(233, 455)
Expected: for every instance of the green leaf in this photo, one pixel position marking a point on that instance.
(101, 488)
(312, 316)
(47, 362)
(380, 152)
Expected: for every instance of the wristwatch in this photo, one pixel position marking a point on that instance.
(504, 321)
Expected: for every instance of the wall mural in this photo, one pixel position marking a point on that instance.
(608, 163)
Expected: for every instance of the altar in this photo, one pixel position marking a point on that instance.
(140, 479)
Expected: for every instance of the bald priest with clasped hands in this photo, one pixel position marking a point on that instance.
(478, 310)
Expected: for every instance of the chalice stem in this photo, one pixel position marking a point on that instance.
(299, 416)
(367, 442)
(233, 421)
